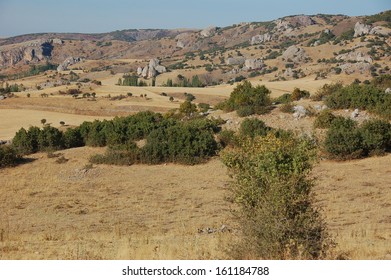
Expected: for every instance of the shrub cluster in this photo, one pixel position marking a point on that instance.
(8, 156)
(324, 119)
(248, 100)
(346, 140)
(367, 96)
(167, 139)
(188, 142)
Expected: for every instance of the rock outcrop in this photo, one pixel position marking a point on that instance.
(295, 54)
(361, 29)
(359, 67)
(239, 60)
(355, 56)
(152, 69)
(258, 39)
(253, 64)
(31, 51)
(68, 62)
(184, 40)
(299, 112)
(207, 32)
(302, 20)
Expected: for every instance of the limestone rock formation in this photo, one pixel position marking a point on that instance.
(355, 56)
(359, 67)
(31, 51)
(144, 73)
(258, 39)
(236, 60)
(295, 54)
(361, 29)
(299, 112)
(253, 64)
(184, 40)
(68, 62)
(207, 32)
(152, 69)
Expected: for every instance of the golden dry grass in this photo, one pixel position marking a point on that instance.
(68, 211)
(64, 211)
(356, 199)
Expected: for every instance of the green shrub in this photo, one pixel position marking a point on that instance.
(324, 119)
(283, 99)
(326, 90)
(376, 137)
(8, 156)
(272, 190)
(203, 107)
(298, 94)
(343, 139)
(187, 143)
(227, 138)
(50, 138)
(361, 96)
(253, 127)
(245, 111)
(73, 138)
(248, 100)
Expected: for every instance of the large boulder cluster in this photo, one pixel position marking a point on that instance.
(361, 29)
(68, 62)
(295, 54)
(152, 69)
(258, 39)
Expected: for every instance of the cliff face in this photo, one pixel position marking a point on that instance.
(31, 51)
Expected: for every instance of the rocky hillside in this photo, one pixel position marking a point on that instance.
(293, 42)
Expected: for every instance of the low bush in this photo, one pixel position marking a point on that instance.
(346, 140)
(8, 156)
(253, 127)
(369, 97)
(326, 90)
(324, 119)
(248, 100)
(283, 99)
(272, 190)
(298, 94)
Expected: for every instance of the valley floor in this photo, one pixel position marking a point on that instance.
(75, 211)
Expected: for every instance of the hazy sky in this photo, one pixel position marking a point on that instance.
(94, 16)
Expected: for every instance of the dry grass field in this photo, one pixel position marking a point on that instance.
(72, 211)
(77, 211)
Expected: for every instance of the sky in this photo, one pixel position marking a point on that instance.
(95, 16)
